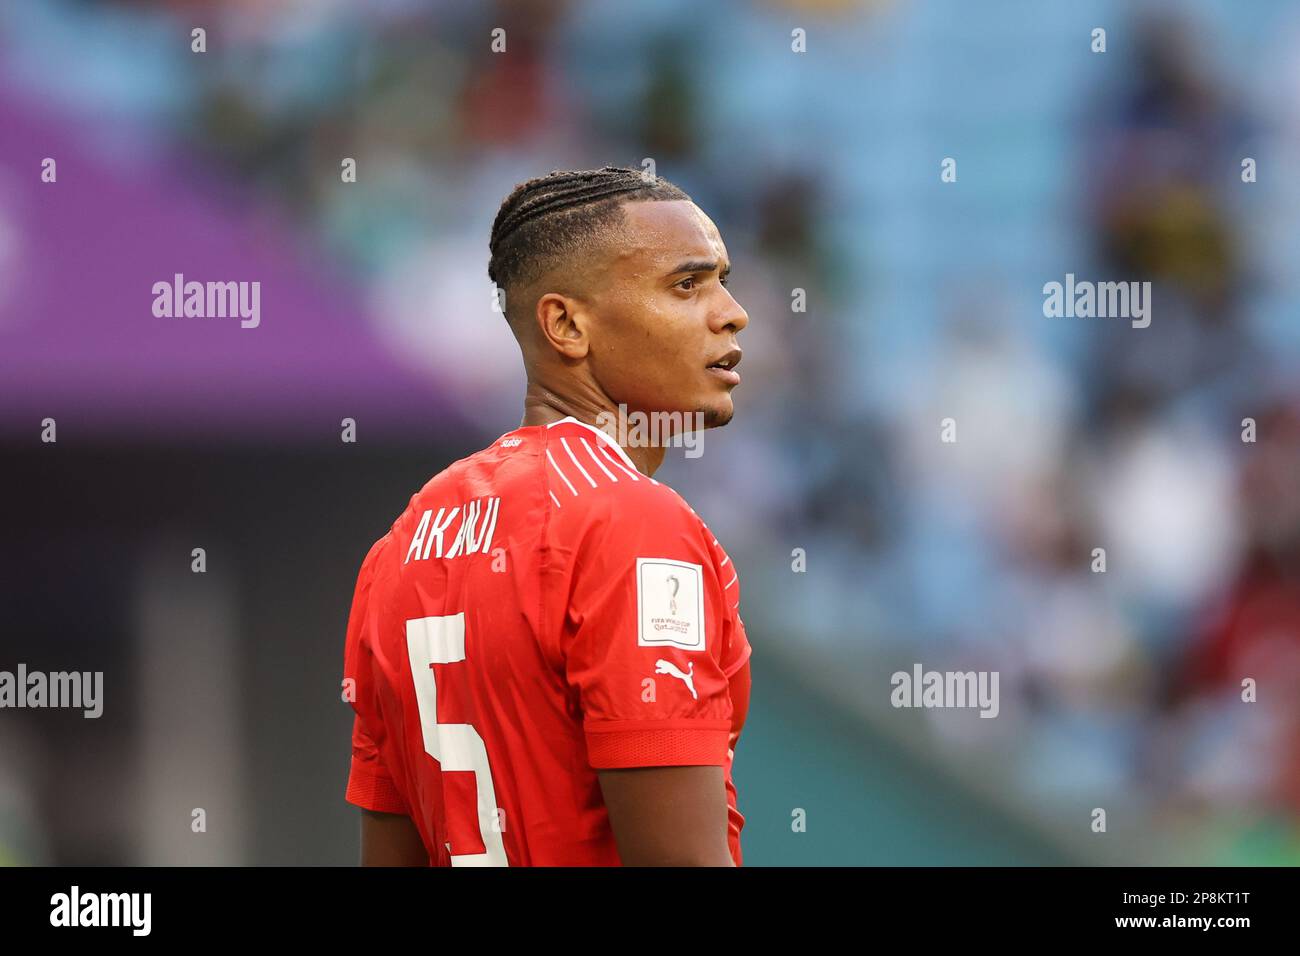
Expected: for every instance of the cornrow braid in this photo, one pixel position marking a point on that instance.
(547, 218)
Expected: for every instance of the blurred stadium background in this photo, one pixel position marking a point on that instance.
(1118, 690)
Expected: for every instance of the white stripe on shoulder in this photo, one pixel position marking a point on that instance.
(631, 474)
(604, 439)
(551, 459)
(599, 464)
(574, 458)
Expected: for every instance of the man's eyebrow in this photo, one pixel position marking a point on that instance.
(698, 265)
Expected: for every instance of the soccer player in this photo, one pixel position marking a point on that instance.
(548, 663)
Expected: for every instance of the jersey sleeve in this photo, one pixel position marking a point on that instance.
(648, 642)
(369, 784)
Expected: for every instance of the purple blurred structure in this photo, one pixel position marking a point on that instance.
(92, 351)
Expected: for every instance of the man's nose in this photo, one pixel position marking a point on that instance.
(733, 316)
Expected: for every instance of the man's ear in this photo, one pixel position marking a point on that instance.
(563, 322)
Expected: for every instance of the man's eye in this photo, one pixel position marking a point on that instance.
(724, 279)
(682, 284)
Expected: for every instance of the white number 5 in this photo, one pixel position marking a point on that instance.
(441, 640)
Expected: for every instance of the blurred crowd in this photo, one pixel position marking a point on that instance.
(1121, 687)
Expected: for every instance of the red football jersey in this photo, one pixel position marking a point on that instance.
(540, 610)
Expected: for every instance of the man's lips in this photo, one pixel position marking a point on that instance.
(724, 367)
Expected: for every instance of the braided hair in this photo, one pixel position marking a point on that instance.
(547, 218)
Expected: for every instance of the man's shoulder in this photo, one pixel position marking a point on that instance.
(601, 504)
(590, 477)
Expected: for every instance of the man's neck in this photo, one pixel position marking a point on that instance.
(543, 407)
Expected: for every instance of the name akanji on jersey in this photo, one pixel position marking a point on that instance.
(541, 610)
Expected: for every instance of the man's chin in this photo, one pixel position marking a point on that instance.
(717, 415)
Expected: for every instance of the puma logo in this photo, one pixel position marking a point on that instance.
(668, 667)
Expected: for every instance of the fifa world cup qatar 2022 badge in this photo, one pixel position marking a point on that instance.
(670, 604)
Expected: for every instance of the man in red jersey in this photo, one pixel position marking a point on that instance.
(545, 652)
